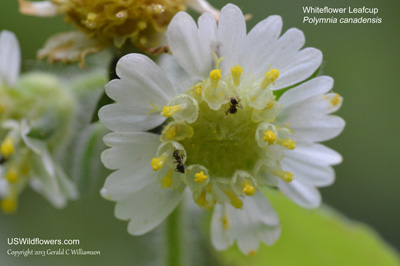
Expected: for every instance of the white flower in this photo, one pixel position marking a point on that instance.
(10, 58)
(225, 135)
(105, 23)
(25, 156)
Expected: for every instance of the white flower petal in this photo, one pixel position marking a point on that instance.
(305, 195)
(188, 48)
(317, 86)
(231, 36)
(140, 80)
(221, 234)
(10, 58)
(130, 179)
(39, 9)
(315, 153)
(297, 68)
(129, 148)
(208, 31)
(317, 128)
(203, 6)
(147, 207)
(260, 41)
(309, 173)
(180, 80)
(4, 188)
(118, 117)
(256, 221)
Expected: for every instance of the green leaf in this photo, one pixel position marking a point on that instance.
(316, 237)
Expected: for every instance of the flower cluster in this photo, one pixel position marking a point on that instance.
(226, 132)
(105, 22)
(35, 116)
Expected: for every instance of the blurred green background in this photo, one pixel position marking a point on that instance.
(364, 61)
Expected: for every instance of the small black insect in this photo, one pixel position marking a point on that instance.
(178, 156)
(233, 104)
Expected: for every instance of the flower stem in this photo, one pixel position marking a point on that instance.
(174, 238)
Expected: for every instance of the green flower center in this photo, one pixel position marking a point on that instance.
(221, 142)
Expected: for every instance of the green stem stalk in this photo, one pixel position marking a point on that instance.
(174, 238)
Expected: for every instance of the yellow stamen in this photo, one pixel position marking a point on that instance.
(252, 253)
(270, 105)
(269, 137)
(155, 108)
(7, 147)
(201, 200)
(12, 176)
(225, 222)
(200, 177)
(336, 100)
(8, 205)
(198, 90)
(171, 132)
(284, 175)
(91, 16)
(217, 60)
(248, 189)
(235, 201)
(236, 74)
(169, 111)
(270, 77)
(167, 179)
(287, 143)
(215, 76)
(142, 25)
(158, 163)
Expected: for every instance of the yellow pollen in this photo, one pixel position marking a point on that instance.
(269, 137)
(198, 90)
(169, 111)
(225, 222)
(215, 76)
(252, 253)
(336, 100)
(236, 74)
(7, 147)
(8, 205)
(142, 25)
(158, 163)
(171, 132)
(248, 189)
(270, 105)
(284, 175)
(200, 177)
(91, 16)
(270, 77)
(235, 201)
(12, 176)
(167, 179)
(287, 143)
